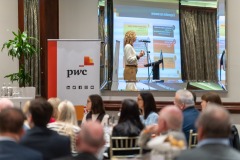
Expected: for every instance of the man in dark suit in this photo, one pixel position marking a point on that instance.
(39, 137)
(11, 129)
(90, 141)
(185, 101)
(213, 136)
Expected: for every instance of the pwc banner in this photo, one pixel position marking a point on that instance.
(73, 69)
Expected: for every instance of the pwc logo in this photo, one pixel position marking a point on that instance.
(87, 62)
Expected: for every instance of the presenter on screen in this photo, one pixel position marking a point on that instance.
(130, 57)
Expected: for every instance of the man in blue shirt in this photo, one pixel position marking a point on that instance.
(185, 101)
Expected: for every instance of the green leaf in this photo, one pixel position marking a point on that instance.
(21, 46)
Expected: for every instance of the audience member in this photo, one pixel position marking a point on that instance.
(169, 122)
(147, 105)
(211, 97)
(25, 110)
(11, 130)
(90, 141)
(184, 100)
(39, 137)
(213, 131)
(54, 101)
(96, 110)
(129, 123)
(66, 123)
(5, 103)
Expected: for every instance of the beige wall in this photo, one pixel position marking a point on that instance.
(8, 23)
(78, 19)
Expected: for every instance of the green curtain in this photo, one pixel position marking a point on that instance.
(199, 45)
(31, 25)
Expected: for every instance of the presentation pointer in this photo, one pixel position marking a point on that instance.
(145, 41)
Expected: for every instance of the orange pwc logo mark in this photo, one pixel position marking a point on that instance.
(87, 61)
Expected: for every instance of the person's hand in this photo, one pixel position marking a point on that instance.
(142, 53)
(153, 129)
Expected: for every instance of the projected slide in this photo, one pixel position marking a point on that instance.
(221, 48)
(155, 22)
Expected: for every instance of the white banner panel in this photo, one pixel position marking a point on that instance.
(78, 73)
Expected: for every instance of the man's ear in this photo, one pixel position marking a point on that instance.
(30, 120)
(182, 106)
(103, 143)
(21, 132)
(200, 133)
(162, 126)
(78, 140)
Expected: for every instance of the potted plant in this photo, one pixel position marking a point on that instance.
(21, 48)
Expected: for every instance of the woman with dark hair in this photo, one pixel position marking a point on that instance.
(95, 110)
(129, 123)
(147, 105)
(211, 97)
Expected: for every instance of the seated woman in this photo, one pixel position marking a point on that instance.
(129, 123)
(66, 123)
(96, 110)
(54, 101)
(25, 110)
(211, 97)
(147, 105)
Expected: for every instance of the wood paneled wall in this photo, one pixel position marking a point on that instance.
(115, 106)
(49, 29)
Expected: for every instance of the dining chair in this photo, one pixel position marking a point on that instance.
(192, 140)
(124, 147)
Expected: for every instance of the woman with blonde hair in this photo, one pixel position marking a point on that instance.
(66, 123)
(54, 101)
(130, 57)
(25, 110)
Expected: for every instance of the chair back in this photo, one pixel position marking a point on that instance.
(192, 140)
(124, 147)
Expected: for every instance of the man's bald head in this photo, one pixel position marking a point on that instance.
(170, 118)
(91, 136)
(5, 103)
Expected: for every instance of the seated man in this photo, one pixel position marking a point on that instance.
(185, 101)
(11, 130)
(213, 136)
(39, 137)
(90, 141)
(169, 123)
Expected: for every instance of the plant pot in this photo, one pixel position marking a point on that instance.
(28, 92)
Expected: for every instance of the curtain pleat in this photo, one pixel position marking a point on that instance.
(31, 25)
(199, 45)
